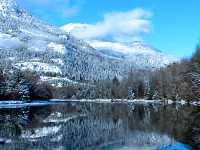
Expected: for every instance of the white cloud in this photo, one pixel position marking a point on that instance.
(118, 26)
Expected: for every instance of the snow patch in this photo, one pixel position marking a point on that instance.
(1, 8)
(58, 61)
(46, 78)
(60, 48)
(57, 138)
(58, 81)
(39, 67)
(38, 34)
(41, 132)
(195, 103)
(21, 104)
(9, 42)
(51, 119)
(37, 45)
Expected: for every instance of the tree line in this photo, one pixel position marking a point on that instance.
(23, 85)
(178, 81)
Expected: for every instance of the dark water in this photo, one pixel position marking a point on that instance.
(100, 126)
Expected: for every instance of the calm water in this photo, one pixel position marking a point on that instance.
(99, 126)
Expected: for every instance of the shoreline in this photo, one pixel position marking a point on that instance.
(36, 103)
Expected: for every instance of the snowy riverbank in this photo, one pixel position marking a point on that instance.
(20, 104)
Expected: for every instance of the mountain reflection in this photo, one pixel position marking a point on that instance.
(89, 126)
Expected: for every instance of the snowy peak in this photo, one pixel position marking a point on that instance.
(137, 52)
(124, 48)
(142, 47)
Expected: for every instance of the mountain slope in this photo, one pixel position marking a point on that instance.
(29, 43)
(35, 45)
(137, 53)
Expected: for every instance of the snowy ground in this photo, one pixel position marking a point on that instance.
(20, 104)
(121, 101)
(38, 66)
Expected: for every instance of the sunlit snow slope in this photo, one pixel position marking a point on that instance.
(137, 53)
(29, 43)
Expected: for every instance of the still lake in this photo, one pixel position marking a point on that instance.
(99, 126)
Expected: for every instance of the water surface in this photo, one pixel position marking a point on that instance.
(99, 126)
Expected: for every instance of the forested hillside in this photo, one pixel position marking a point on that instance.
(66, 67)
(179, 81)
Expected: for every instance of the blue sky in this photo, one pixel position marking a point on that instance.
(173, 26)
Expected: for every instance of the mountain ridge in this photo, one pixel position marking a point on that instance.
(124, 50)
(51, 52)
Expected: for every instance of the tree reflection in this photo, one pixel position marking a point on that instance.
(76, 125)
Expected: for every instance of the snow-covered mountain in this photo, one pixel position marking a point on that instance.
(29, 43)
(137, 53)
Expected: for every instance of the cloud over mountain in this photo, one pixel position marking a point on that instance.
(116, 26)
